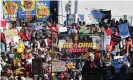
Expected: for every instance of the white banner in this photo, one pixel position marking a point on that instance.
(58, 66)
(63, 29)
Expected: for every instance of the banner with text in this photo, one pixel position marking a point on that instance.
(42, 9)
(10, 9)
(58, 66)
(74, 46)
(27, 10)
(12, 36)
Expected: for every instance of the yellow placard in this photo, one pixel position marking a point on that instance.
(12, 32)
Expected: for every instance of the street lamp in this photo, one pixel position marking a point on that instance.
(69, 6)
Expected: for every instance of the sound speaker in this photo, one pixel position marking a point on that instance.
(37, 66)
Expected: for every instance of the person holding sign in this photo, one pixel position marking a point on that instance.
(120, 67)
(107, 67)
(54, 29)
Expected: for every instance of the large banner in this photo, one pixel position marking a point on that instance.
(75, 46)
(27, 10)
(10, 9)
(124, 30)
(42, 9)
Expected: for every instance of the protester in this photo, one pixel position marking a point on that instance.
(108, 68)
(91, 70)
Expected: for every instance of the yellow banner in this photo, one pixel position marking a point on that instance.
(12, 32)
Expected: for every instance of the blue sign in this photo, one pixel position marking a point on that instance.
(97, 14)
(81, 17)
(27, 10)
(42, 10)
(124, 30)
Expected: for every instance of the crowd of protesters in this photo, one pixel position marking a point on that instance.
(16, 63)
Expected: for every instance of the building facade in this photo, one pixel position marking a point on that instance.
(118, 8)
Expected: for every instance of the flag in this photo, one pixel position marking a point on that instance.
(95, 17)
(97, 14)
(124, 30)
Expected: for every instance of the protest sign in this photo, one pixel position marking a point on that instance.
(27, 13)
(96, 42)
(97, 14)
(83, 30)
(11, 9)
(109, 47)
(81, 17)
(58, 66)
(42, 9)
(70, 19)
(76, 45)
(12, 36)
(107, 40)
(116, 39)
(124, 30)
(11, 32)
(118, 61)
(63, 29)
(95, 17)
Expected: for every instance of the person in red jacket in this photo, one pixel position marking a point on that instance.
(117, 34)
(54, 29)
(108, 31)
(25, 36)
(28, 68)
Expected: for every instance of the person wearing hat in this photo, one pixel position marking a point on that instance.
(91, 70)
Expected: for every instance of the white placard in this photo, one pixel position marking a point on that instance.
(107, 40)
(63, 29)
(58, 66)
